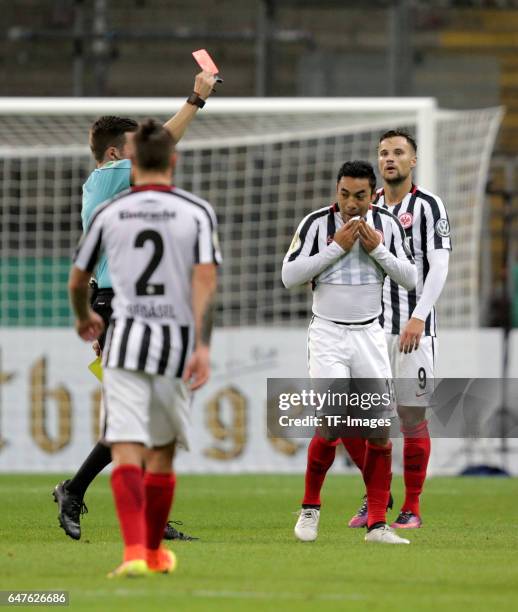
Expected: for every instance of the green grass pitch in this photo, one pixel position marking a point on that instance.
(464, 558)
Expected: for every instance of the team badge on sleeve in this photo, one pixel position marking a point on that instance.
(442, 228)
(406, 219)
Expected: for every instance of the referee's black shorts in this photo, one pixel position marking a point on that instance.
(101, 301)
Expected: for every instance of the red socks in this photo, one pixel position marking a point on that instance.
(321, 454)
(377, 476)
(128, 491)
(143, 503)
(159, 490)
(376, 465)
(356, 448)
(416, 452)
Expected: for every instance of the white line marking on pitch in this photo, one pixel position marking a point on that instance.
(229, 594)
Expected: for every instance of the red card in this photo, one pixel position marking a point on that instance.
(205, 61)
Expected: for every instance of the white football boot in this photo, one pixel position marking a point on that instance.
(306, 529)
(385, 535)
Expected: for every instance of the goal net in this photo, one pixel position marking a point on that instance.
(263, 165)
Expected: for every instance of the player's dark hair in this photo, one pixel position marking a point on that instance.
(109, 131)
(154, 146)
(358, 169)
(403, 134)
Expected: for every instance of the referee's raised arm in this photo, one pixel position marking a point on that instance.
(203, 86)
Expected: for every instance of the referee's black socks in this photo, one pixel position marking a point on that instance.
(97, 460)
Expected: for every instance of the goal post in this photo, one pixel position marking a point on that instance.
(424, 110)
(262, 163)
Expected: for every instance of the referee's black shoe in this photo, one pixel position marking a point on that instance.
(71, 507)
(170, 533)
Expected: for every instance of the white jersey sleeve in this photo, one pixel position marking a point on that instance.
(438, 232)
(434, 283)
(304, 261)
(303, 239)
(87, 252)
(207, 248)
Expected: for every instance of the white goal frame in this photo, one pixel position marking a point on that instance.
(424, 109)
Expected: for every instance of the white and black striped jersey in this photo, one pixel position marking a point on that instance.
(314, 256)
(152, 235)
(425, 221)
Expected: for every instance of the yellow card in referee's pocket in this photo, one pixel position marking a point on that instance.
(96, 368)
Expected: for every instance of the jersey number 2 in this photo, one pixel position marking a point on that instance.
(143, 286)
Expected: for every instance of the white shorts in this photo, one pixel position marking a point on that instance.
(145, 408)
(347, 351)
(413, 372)
(351, 352)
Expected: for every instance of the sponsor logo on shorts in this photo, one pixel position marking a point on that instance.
(442, 228)
(406, 219)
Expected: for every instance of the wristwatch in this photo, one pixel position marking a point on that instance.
(195, 100)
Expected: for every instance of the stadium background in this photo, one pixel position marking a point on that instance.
(463, 54)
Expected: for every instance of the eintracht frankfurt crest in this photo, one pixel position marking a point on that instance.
(406, 219)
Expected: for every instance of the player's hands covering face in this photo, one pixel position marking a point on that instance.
(369, 238)
(347, 235)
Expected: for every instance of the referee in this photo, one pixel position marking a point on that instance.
(162, 251)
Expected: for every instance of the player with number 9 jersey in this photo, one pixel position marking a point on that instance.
(409, 317)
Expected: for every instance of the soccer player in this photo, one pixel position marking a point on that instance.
(346, 250)
(110, 143)
(162, 252)
(409, 318)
